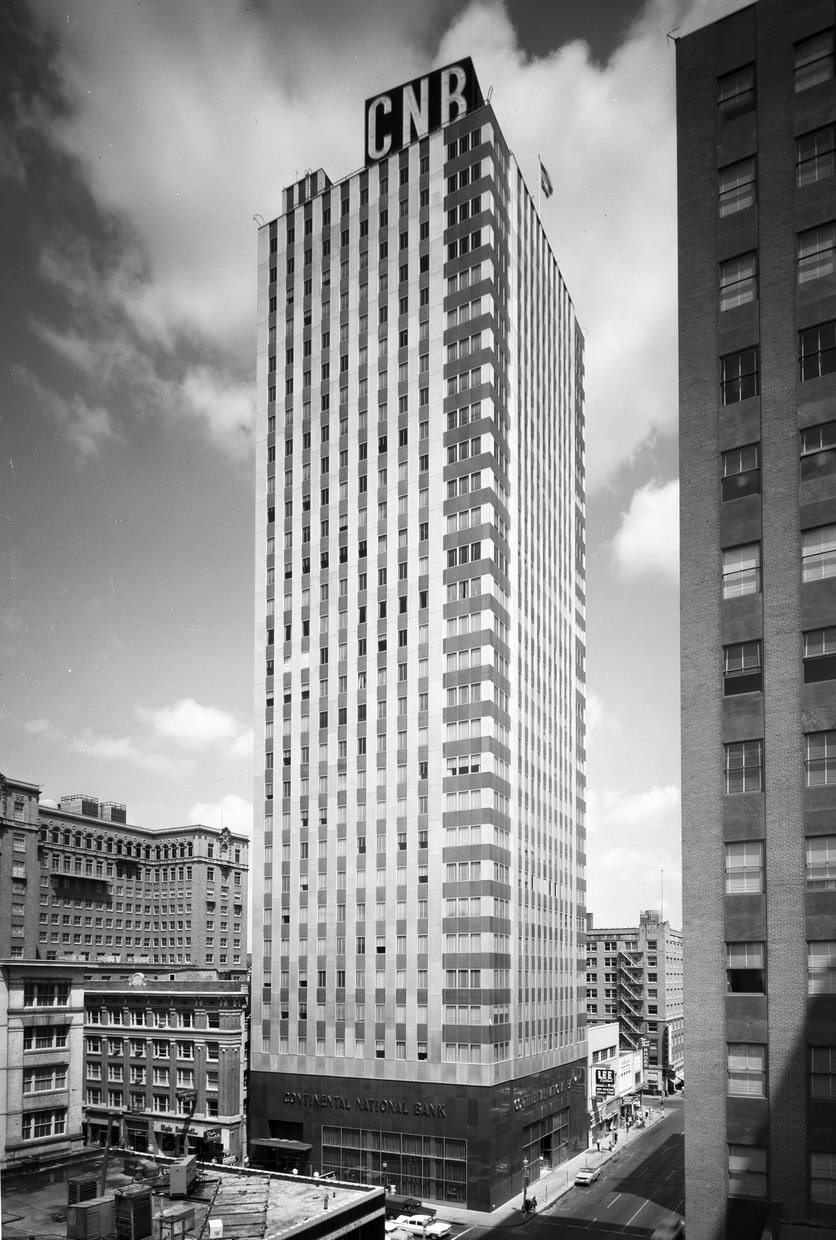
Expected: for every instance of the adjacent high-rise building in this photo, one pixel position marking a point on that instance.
(418, 989)
(757, 268)
(634, 976)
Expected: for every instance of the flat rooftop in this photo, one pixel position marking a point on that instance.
(252, 1205)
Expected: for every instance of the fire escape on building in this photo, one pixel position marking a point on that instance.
(630, 998)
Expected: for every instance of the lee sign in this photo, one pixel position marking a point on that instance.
(410, 111)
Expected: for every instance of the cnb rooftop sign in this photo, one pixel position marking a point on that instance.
(411, 111)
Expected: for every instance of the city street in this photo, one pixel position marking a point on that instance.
(642, 1185)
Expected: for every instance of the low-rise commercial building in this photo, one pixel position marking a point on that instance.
(165, 1062)
(41, 1050)
(615, 1077)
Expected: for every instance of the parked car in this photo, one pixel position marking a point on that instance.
(587, 1175)
(422, 1225)
(398, 1207)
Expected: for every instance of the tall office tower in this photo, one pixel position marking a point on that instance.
(757, 205)
(418, 965)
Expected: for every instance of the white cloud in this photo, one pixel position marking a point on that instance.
(43, 730)
(123, 749)
(193, 726)
(231, 811)
(598, 718)
(226, 407)
(647, 541)
(639, 809)
(262, 92)
(242, 746)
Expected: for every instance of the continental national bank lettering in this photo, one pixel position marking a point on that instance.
(411, 111)
(380, 1106)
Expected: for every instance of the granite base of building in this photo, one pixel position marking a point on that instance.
(469, 1145)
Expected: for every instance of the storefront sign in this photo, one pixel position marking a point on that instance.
(380, 1106)
(411, 111)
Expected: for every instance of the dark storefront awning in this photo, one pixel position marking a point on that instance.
(278, 1143)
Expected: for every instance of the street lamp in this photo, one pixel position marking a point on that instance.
(525, 1184)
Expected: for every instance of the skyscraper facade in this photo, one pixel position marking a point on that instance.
(757, 211)
(419, 877)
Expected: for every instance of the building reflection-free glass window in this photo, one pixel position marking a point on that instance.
(744, 867)
(815, 155)
(747, 1069)
(813, 60)
(820, 758)
(739, 375)
(737, 187)
(818, 450)
(738, 281)
(821, 863)
(818, 553)
(747, 1171)
(741, 570)
(736, 92)
(821, 967)
(816, 252)
(741, 471)
(742, 668)
(823, 1072)
(819, 655)
(817, 350)
(823, 1178)
(745, 973)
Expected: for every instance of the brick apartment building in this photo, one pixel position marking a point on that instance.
(756, 100)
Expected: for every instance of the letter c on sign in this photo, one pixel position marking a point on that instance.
(378, 149)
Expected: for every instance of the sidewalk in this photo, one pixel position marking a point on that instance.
(552, 1185)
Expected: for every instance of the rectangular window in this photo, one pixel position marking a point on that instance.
(823, 1072)
(742, 668)
(814, 155)
(738, 281)
(745, 974)
(741, 471)
(737, 187)
(820, 758)
(821, 967)
(816, 250)
(819, 655)
(741, 570)
(739, 375)
(818, 450)
(746, 1070)
(744, 867)
(818, 553)
(736, 92)
(747, 1171)
(821, 863)
(813, 60)
(743, 766)
(817, 350)
(823, 1178)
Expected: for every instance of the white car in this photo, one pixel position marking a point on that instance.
(422, 1225)
(587, 1175)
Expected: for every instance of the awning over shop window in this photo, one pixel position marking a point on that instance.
(278, 1143)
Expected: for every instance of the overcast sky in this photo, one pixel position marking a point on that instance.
(139, 141)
